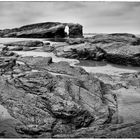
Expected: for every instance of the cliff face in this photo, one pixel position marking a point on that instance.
(44, 30)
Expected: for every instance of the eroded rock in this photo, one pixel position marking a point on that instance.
(122, 49)
(41, 102)
(23, 45)
(44, 30)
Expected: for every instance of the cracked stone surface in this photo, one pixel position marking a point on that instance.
(44, 105)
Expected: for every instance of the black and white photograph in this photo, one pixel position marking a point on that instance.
(69, 69)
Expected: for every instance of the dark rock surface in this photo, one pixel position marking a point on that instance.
(29, 43)
(123, 49)
(55, 100)
(73, 41)
(124, 55)
(130, 130)
(45, 105)
(24, 45)
(44, 30)
(116, 37)
(84, 51)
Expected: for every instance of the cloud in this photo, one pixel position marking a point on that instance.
(94, 16)
(69, 5)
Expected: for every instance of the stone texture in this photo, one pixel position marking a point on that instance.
(130, 130)
(45, 105)
(43, 30)
(84, 51)
(24, 45)
(122, 49)
(116, 37)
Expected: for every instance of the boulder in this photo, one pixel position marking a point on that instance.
(124, 55)
(30, 43)
(46, 105)
(122, 49)
(5, 52)
(75, 30)
(84, 51)
(48, 48)
(24, 45)
(73, 41)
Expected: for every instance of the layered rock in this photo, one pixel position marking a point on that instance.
(44, 30)
(24, 45)
(125, 130)
(46, 99)
(44, 105)
(85, 51)
(123, 49)
(124, 55)
(116, 37)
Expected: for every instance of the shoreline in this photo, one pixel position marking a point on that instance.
(111, 75)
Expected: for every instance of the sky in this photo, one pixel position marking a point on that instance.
(95, 16)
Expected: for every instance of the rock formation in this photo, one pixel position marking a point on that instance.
(44, 30)
(44, 99)
(24, 45)
(123, 49)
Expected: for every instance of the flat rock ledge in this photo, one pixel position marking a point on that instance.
(122, 49)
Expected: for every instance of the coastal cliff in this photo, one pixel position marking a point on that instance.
(44, 30)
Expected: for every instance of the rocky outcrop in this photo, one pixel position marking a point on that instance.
(123, 49)
(84, 51)
(29, 43)
(44, 30)
(116, 37)
(113, 131)
(75, 31)
(73, 41)
(124, 55)
(45, 98)
(24, 45)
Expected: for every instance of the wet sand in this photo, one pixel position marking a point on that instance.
(129, 104)
(105, 69)
(4, 114)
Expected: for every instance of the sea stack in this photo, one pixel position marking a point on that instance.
(44, 30)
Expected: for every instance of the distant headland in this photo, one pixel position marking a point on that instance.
(44, 30)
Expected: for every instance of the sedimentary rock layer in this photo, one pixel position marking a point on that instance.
(44, 30)
(123, 49)
(41, 103)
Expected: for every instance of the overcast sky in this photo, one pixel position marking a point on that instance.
(96, 17)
